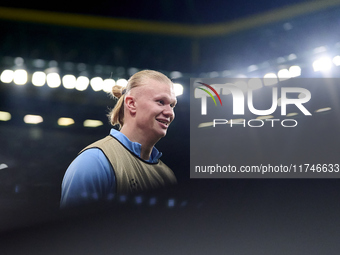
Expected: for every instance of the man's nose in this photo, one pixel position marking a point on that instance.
(169, 111)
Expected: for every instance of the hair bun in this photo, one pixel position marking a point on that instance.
(118, 91)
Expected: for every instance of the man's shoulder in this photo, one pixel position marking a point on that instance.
(98, 144)
(89, 173)
(90, 158)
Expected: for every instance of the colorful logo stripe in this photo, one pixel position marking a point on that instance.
(209, 94)
(213, 90)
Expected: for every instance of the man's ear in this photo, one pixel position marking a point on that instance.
(130, 103)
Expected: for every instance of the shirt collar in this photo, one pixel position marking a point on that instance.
(135, 147)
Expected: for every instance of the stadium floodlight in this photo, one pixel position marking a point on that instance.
(132, 71)
(336, 60)
(5, 116)
(33, 119)
(82, 83)
(19, 61)
(92, 123)
(108, 84)
(65, 121)
(295, 71)
(252, 68)
(20, 77)
(7, 76)
(255, 83)
(324, 109)
(320, 49)
(280, 60)
(152, 201)
(138, 200)
(284, 74)
(97, 83)
(264, 117)
(175, 75)
(171, 203)
(53, 80)
(236, 121)
(69, 81)
(38, 79)
(322, 64)
(122, 82)
(178, 89)
(270, 79)
(291, 57)
(292, 114)
(205, 124)
(38, 63)
(240, 75)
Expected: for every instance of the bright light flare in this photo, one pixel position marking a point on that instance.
(33, 119)
(97, 83)
(5, 116)
(82, 83)
(324, 109)
(65, 121)
(20, 77)
(336, 60)
(206, 124)
(295, 71)
(38, 79)
(236, 121)
(178, 89)
(92, 123)
(322, 64)
(7, 76)
(53, 80)
(108, 84)
(292, 114)
(264, 117)
(122, 82)
(284, 74)
(69, 81)
(270, 79)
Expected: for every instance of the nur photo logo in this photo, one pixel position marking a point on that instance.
(244, 97)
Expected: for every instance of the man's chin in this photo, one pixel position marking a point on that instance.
(162, 134)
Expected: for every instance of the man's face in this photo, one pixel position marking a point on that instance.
(155, 104)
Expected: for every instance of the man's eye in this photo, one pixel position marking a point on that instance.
(161, 102)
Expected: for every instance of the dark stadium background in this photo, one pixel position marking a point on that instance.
(182, 39)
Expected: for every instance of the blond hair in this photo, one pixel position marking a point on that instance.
(116, 116)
